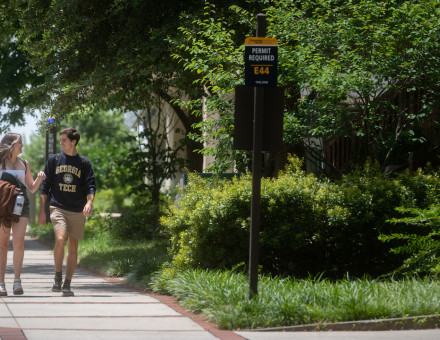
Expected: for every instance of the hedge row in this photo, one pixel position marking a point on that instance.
(309, 226)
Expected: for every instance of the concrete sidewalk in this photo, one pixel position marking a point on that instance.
(104, 308)
(101, 308)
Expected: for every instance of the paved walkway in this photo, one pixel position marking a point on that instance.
(104, 308)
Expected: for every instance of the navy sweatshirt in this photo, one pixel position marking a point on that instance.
(68, 181)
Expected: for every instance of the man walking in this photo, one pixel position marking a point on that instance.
(69, 188)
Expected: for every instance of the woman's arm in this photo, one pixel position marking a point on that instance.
(30, 183)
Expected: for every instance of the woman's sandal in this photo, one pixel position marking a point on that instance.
(18, 289)
(3, 291)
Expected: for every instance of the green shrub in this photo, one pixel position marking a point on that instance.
(424, 186)
(308, 225)
(135, 223)
(371, 198)
(295, 209)
(420, 242)
(111, 200)
(209, 225)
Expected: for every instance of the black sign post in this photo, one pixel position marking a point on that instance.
(258, 123)
(51, 147)
(257, 158)
(51, 138)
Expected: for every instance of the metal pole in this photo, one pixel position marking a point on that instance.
(51, 138)
(256, 174)
(51, 147)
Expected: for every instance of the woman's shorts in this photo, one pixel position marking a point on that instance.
(73, 222)
(25, 212)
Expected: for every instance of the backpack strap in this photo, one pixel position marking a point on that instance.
(56, 159)
(25, 165)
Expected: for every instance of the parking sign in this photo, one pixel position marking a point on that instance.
(261, 61)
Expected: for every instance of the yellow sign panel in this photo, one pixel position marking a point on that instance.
(260, 41)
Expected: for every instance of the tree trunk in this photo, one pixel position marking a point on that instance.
(155, 198)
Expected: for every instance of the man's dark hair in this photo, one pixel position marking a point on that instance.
(72, 134)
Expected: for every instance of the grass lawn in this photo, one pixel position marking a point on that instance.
(224, 298)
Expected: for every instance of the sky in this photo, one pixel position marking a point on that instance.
(28, 129)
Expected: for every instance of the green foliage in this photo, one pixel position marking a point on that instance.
(104, 54)
(109, 160)
(81, 39)
(137, 221)
(419, 240)
(360, 53)
(342, 65)
(425, 186)
(153, 159)
(16, 74)
(209, 225)
(223, 298)
(213, 51)
(112, 200)
(308, 225)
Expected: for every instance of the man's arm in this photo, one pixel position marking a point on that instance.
(45, 189)
(88, 208)
(89, 187)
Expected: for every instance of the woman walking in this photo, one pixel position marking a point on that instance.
(14, 171)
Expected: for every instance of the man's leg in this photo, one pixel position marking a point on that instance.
(72, 260)
(72, 257)
(58, 250)
(58, 255)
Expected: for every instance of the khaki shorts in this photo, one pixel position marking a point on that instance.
(73, 222)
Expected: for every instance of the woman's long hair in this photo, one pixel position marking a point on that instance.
(7, 145)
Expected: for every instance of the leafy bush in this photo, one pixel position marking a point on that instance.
(371, 198)
(209, 225)
(308, 225)
(421, 243)
(112, 200)
(139, 219)
(136, 221)
(425, 187)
